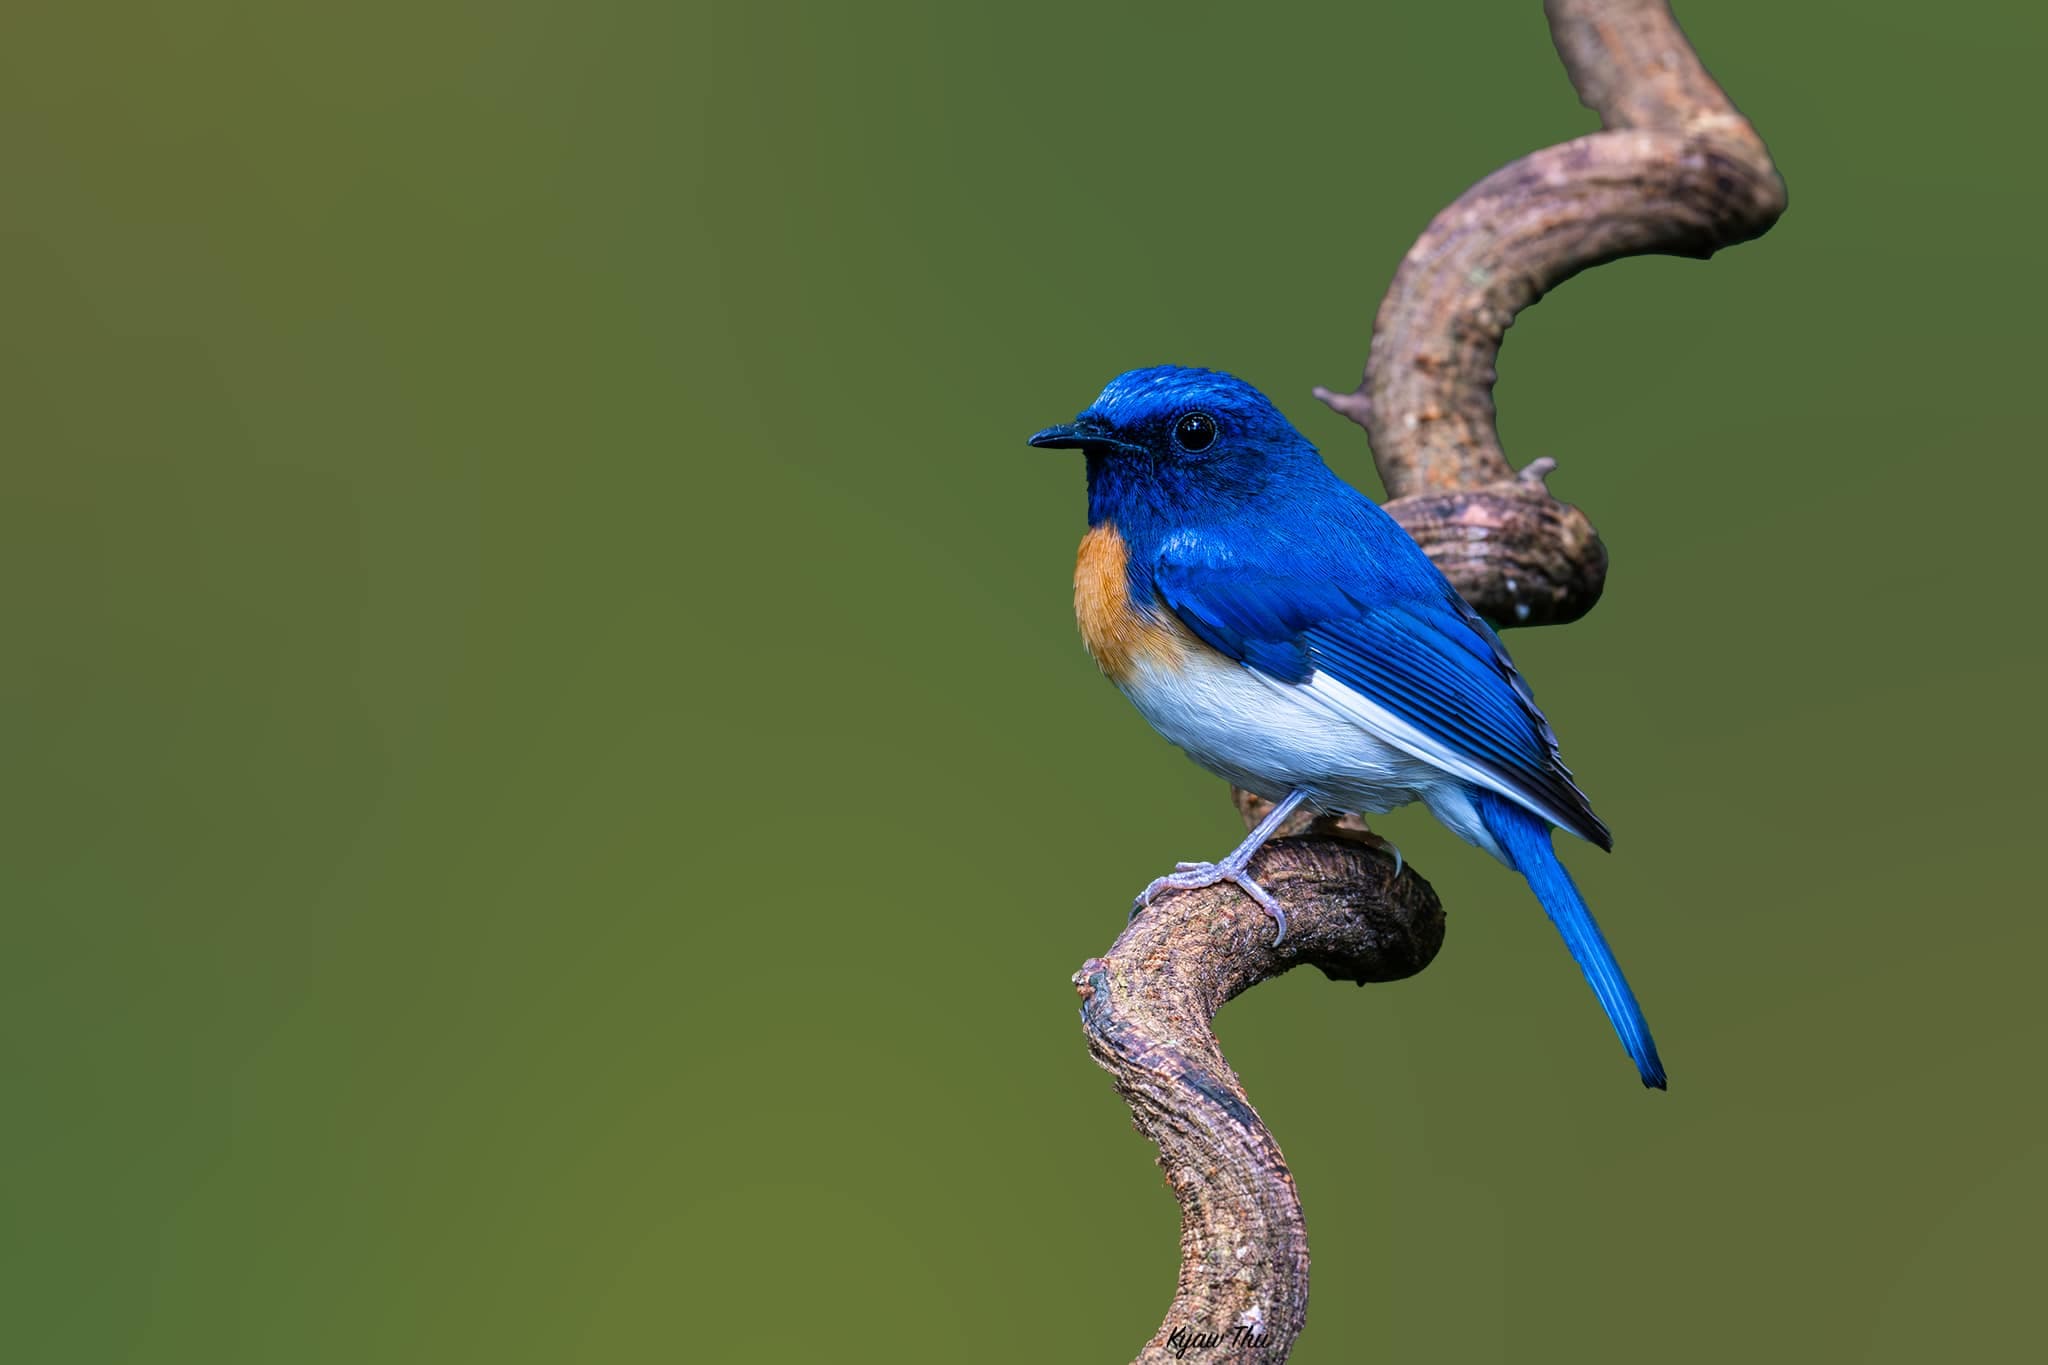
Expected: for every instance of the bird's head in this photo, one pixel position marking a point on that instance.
(1180, 443)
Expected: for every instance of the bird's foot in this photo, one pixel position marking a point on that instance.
(1194, 876)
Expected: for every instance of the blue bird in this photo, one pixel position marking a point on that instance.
(1289, 636)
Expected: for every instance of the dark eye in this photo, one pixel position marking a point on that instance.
(1195, 431)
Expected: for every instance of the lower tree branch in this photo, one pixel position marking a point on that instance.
(1147, 1004)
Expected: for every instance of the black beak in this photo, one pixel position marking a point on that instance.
(1078, 435)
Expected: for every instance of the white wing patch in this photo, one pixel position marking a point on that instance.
(1273, 738)
(1390, 728)
(1347, 751)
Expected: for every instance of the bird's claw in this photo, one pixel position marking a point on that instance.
(1194, 876)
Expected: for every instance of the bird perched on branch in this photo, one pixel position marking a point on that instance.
(1286, 633)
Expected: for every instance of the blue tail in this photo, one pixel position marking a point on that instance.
(1526, 840)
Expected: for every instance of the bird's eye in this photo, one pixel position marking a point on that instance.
(1195, 431)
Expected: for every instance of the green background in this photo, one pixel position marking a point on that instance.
(552, 794)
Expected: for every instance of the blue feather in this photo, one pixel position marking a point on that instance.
(1526, 842)
(1419, 663)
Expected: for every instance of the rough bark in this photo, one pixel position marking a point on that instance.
(1147, 1005)
(1675, 170)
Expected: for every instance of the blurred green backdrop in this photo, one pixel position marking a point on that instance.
(552, 793)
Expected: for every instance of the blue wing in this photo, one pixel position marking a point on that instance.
(1377, 617)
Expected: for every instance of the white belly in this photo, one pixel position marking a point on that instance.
(1273, 738)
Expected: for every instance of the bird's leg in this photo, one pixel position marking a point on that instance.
(1190, 876)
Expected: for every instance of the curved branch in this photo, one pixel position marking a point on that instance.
(1677, 171)
(1147, 1004)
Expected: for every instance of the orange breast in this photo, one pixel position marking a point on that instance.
(1118, 633)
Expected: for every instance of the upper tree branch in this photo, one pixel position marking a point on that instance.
(1676, 170)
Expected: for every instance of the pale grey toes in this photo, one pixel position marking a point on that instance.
(1194, 876)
